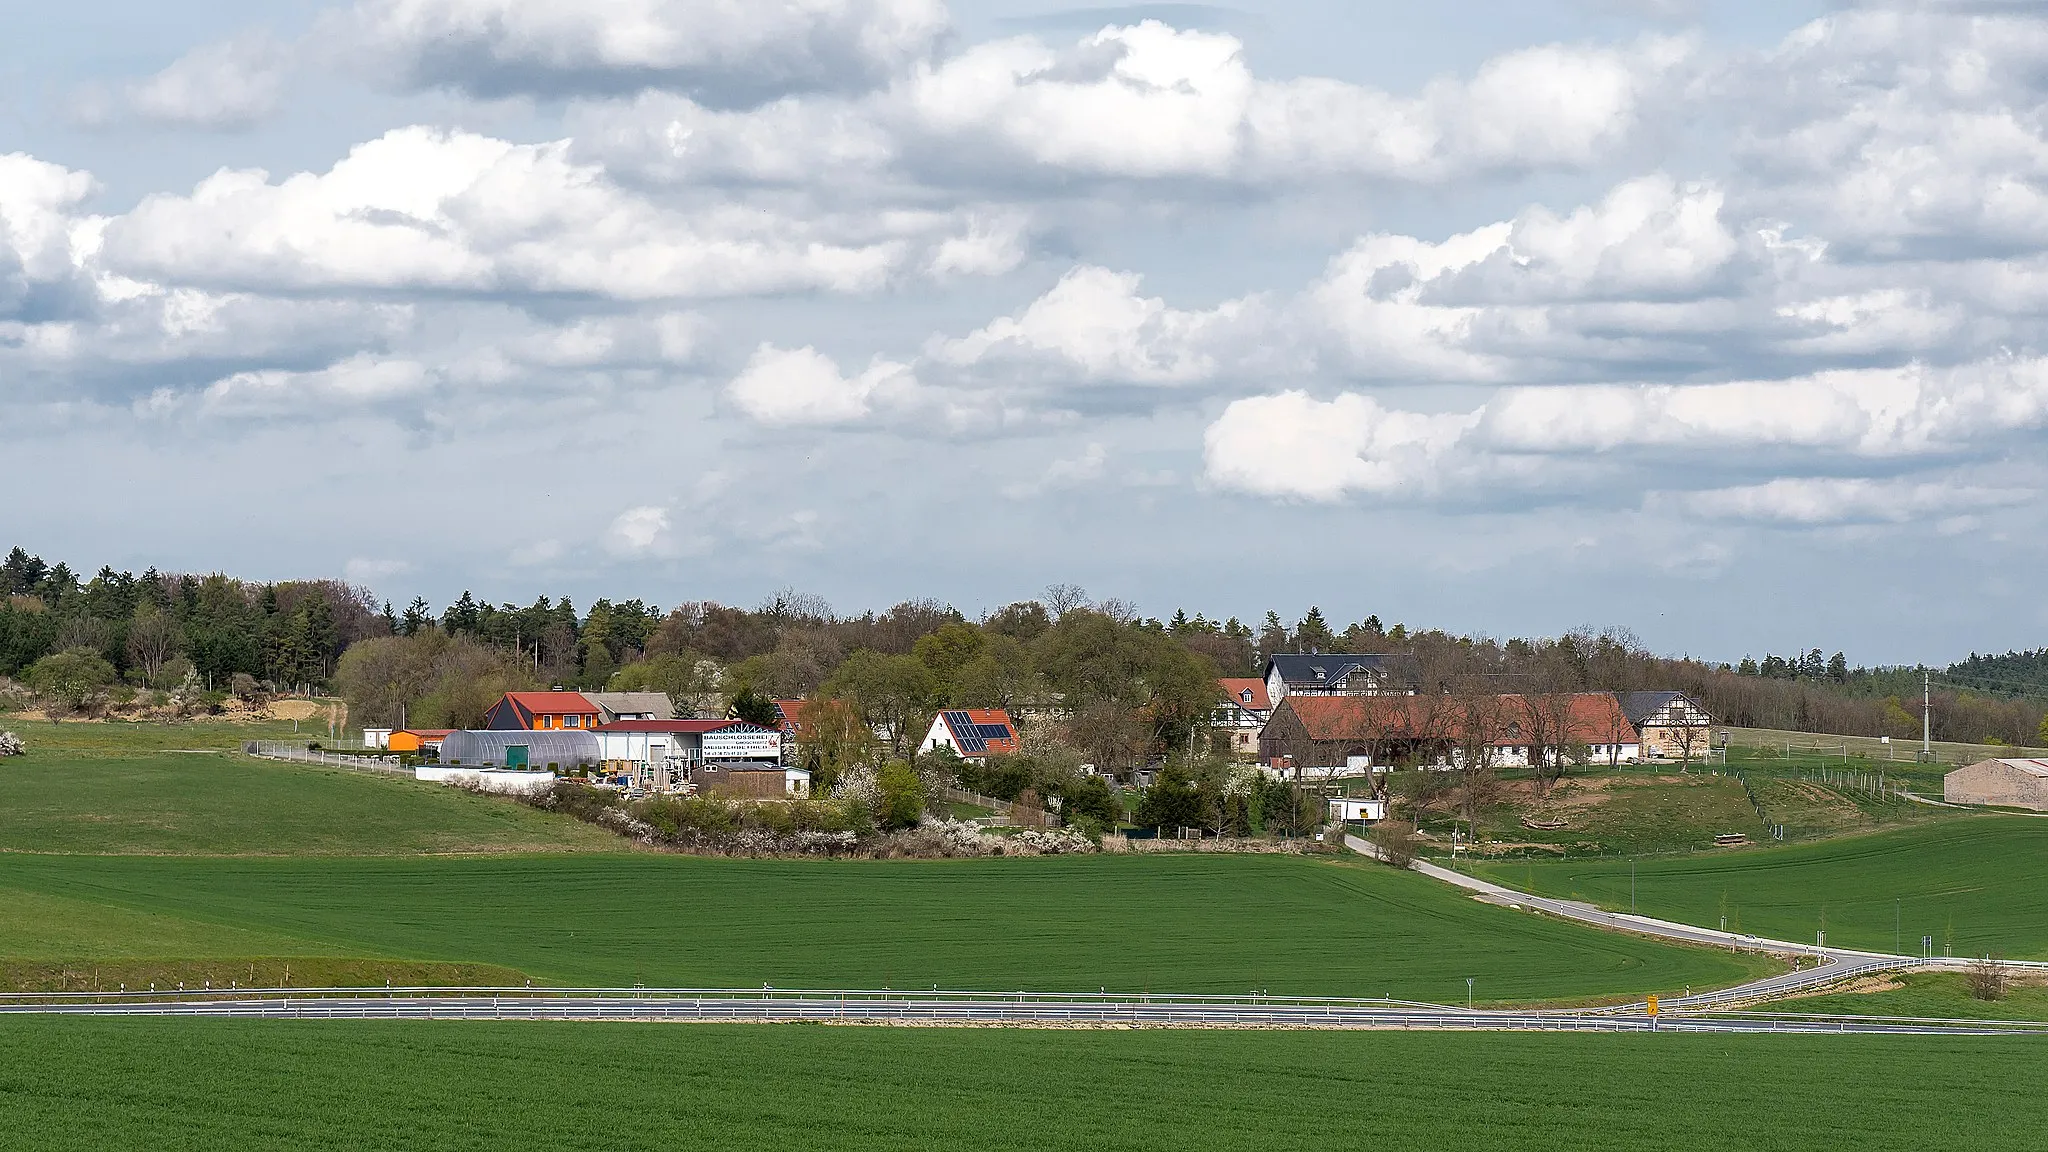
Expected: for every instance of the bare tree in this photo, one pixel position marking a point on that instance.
(1989, 977)
(1061, 599)
(153, 638)
(1691, 737)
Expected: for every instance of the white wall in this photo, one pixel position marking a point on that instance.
(485, 779)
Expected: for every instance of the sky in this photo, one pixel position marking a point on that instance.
(1721, 322)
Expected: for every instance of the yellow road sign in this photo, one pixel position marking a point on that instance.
(1653, 1005)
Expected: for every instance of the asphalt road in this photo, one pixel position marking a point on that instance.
(1818, 965)
(958, 1009)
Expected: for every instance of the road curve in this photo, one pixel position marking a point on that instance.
(1828, 965)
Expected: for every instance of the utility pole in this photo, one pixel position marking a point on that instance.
(1926, 717)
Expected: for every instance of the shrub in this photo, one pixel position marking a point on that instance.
(902, 799)
(1988, 978)
(11, 745)
(1396, 842)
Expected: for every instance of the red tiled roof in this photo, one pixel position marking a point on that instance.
(998, 745)
(1594, 717)
(552, 703)
(427, 733)
(1236, 686)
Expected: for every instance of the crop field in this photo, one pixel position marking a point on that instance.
(292, 1085)
(1976, 884)
(1181, 923)
(176, 789)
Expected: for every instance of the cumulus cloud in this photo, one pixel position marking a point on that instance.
(1147, 102)
(639, 529)
(804, 386)
(1292, 445)
(1150, 101)
(1909, 130)
(226, 86)
(1095, 325)
(719, 52)
(427, 209)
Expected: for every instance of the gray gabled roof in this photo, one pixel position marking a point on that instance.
(1640, 706)
(656, 704)
(1395, 669)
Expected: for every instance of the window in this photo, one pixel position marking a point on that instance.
(544, 722)
(573, 721)
(1245, 695)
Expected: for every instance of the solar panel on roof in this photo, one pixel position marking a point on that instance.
(993, 731)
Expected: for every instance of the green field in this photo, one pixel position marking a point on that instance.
(1935, 995)
(1182, 923)
(289, 1085)
(173, 789)
(1975, 884)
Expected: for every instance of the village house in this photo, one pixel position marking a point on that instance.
(972, 733)
(1340, 674)
(1243, 713)
(542, 712)
(1328, 736)
(1673, 726)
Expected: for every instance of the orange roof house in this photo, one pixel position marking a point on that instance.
(1246, 692)
(542, 711)
(417, 739)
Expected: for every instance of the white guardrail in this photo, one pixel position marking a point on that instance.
(939, 1007)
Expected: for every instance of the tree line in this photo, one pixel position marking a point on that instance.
(1128, 686)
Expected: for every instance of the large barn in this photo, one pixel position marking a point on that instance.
(2010, 783)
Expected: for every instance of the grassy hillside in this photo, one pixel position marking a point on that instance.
(1169, 923)
(155, 788)
(93, 1084)
(1976, 884)
(1939, 995)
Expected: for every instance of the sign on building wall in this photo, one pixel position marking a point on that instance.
(740, 744)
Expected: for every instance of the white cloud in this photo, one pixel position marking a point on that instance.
(804, 386)
(1902, 131)
(1094, 324)
(425, 209)
(224, 86)
(1812, 501)
(1149, 101)
(718, 50)
(638, 530)
(39, 226)
(1292, 445)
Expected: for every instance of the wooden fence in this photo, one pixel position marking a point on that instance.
(1006, 812)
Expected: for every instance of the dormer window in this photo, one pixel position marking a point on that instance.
(1245, 696)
